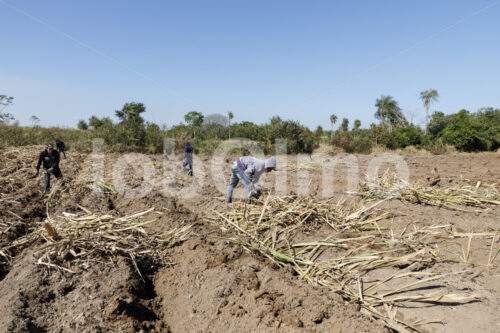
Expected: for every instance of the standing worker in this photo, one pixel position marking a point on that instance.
(248, 170)
(50, 159)
(188, 158)
(61, 147)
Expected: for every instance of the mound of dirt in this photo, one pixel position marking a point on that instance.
(216, 286)
(113, 297)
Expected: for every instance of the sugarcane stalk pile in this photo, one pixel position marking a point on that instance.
(480, 196)
(72, 241)
(286, 229)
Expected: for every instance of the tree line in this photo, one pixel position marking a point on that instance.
(128, 131)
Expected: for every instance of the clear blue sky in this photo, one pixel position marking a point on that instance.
(304, 60)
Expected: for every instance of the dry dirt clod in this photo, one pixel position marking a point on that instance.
(435, 179)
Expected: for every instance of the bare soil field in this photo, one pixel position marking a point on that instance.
(90, 257)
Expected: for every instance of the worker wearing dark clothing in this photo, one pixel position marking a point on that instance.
(50, 160)
(188, 158)
(61, 147)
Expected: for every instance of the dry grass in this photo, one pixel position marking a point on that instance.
(346, 261)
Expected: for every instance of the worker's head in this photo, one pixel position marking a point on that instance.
(49, 147)
(270, 164)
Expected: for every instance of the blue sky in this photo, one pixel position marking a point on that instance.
(304, 60)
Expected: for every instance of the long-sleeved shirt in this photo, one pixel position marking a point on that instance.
(60, 146)
(188, 157)
(254, 167)
(188, 154)
(49, 160)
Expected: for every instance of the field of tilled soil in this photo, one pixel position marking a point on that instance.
(421, 256)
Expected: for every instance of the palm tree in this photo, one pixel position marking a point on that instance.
(131, 111)
(428, 96)
(230, 116)
(333, 120)
(357, 124)
(345, 125)
(388, 111)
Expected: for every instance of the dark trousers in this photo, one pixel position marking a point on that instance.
(46, 177)
(61, 151)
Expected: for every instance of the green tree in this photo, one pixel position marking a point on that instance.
(464, 133)
(247, 129)
(194, 119)
(374, 132)
(428, 96)
(438, 123)
(408, 136)
(215, 126)
(131, 112)
(351, 142)
(154, 138)
(82, 125)
(389, 112)
(95, 122)
(474, 132)
(299, 138)
(345, 125)
(333, 120)
(489, 118)
(108, 131)
(4, 102)
(34, 121)
(230, 116)
(131, 129)
(357, 124)
(275, 121)
(318, 132)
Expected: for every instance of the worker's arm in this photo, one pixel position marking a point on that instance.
(250, 172)
(40, 159)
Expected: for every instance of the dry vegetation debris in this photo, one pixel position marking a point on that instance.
(76, 240)
(453, 197)
(291, 231)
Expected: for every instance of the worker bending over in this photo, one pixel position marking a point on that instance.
(61, 147)
(248, 170)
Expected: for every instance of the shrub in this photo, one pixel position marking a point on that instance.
(154, 138)
(82, 125)
(353, 142)
(387, 139)
(438, 123)
(299, 138)
(489, 119)
(408, 136)
(465, 133)
(246, 129)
